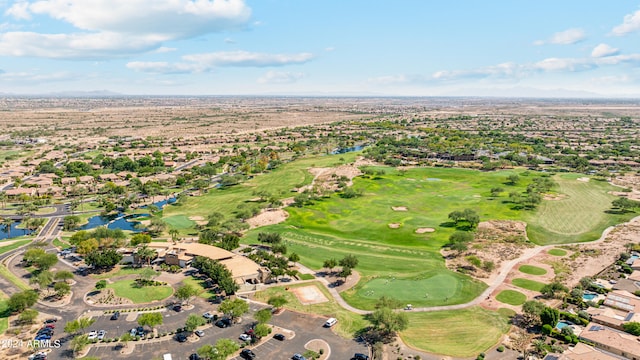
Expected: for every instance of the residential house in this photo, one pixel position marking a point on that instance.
(613, 341)
(618, 308)
(581, 351)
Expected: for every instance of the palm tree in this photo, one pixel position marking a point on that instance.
(144, 253)
(174, 234)
(6, 225)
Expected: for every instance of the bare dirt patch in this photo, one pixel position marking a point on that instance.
(399, 208)
(308, 295)
(394, 225)
(555, 197)
(425, 230)
(583, 179)
(328, 178)
(496, 241)
(268, 217)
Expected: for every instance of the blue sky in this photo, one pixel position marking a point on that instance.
(328, 47)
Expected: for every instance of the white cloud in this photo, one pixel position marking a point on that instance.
(119, 26)
(229, 41)
(604, 50)
(567, 37)
(563, 64)
(164, 49)
(630, 24)
(208, 61)
(249, 59)
(279, 77)
(34, 78)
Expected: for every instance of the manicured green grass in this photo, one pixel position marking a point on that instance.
(532, 270)
(557, 252)
(459, 333)
(4, 315)
(278, 182)
(127, 289)
(5, 273)
(511, 297)
(61, 244)
(15, 245)
(306, 277)
(581, 216)
(45, 210)
(118, 271)
(200, 286)
(528, 284)
(179, 222)
(348, 322)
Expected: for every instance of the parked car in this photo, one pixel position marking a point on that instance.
(133, 332)
(181, 337)
(223, 323)
(140, 331)
(200, 333)
(245, 337)
(360, 356)
(279, 337)
(208, 316)
(115, 315)
(42, 337)
(101, 334)
(178, 308)
(93, 334)
(298, 357)
(40, 355)
(330, 322)
(194, 356)
(247, 354)
(45, 331)
(50, 321)
(50, 326)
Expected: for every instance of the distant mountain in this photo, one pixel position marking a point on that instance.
(93, 93)
(525, 92)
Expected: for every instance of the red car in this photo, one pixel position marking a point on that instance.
(50, 326)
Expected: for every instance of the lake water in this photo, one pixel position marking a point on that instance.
(121, 220)
(15, 232)
(346, 150)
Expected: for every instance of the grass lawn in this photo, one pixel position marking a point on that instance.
(61, 244)
(348, 322)
(459, 333)
(127, 289)
(306, 277)
(5, 273)
(179, 222)
(532, 270)
(557, 252)
(582, 215)
(528, 284)
(17, 244)
(118, 271)
(4, 315)
(198, 284)
(45, 210)
(511, 297)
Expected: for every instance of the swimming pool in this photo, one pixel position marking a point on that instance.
(589, 297)
(563, 324)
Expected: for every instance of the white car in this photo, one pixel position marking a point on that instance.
(245, 337)
(200, 333)
(101, 334)
(207, 316)
(92, 335)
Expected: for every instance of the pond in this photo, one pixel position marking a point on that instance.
(121, 220)
(13, 231)
(346, 150)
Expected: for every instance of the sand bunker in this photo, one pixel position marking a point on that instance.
(424, 230)
(269, 217)
(583, 179)
(200, 220)
(309, 295)
(394, 225)
(399, 208)
(554, 197)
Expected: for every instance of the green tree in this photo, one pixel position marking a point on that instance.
(62, 289)
(70, 222)
(43, 279)
(185, 293)
(151, 320)
(208, 352)
(625, 204)
(146, 254)
(345, 272)
(87, 246)
(234, 308)
(79, 343)
(277, 301)
(349, 261)
(549, 316)
(330, 264)
(225, 348)
(389, 321)
(294, 257)
(101, 284)
(193, 321)
(103, 258)
(531, 310)
(262, 316)
(632, 327)
(78, 325)
(513, 179)
(63, 275)
(140, 238)
(261, 330)
(27, 316)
